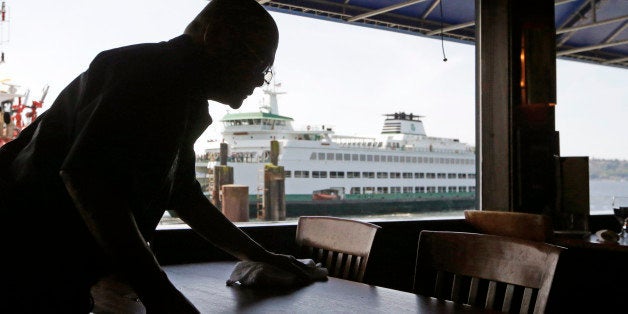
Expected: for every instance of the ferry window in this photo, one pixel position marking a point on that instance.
(441, 175)
(462, 176)
(419, 175)
(471, 176)
(409, 159)
(395, 175)
(382, 175)
(355, 190)
(382, 190)
(407, 189)
(313, 156)
(330, 156)
(319, 174)
(362, 157)
(336, 174)
(407, 175)
(471, 189)
(368, 175)
(287, 173)
(301, 174)
(338, 156)
(431, 160)
(369, 190)
(353, 174)
(453, 189)
(395, 189)
(420, 160)
(414, 159)
(321, 156)
(347, 157)
(431, 189)
(442, 189)
(396, 159)
(354, 157)
(430, 175)
(389, 158)
(419, 189)
(462, 188)
(376, 158)
(451, 176)
(369, 157)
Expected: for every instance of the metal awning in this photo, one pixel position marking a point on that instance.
(593, 31)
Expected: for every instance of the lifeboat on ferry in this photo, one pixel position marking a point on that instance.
(324, 197)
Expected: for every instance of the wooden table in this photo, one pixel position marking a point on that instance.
(204, 285)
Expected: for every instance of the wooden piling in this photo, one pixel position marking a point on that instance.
(274, 187)
(235, 202)
(274, 152)
(223, 174)
(274, 193)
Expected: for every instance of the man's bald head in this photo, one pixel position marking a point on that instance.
(247, 18)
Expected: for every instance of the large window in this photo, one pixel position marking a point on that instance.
(340, 80)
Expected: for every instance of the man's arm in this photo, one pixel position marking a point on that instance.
(108, 216)
(204, 218)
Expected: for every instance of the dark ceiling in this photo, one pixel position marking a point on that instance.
(594, 31)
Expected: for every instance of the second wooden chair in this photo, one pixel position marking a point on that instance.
(493, 272)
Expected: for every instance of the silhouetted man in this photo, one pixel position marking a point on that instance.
(85, 185)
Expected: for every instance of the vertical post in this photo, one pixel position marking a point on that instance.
(224, 153)
(235, 202)
(515, 98)
(274, 186)
(223, 174)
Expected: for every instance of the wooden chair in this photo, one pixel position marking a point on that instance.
(342, 245)
(535, 227)
(494, 272)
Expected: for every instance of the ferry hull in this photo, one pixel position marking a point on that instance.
(371, 207)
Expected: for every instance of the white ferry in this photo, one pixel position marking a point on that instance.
(402, 170)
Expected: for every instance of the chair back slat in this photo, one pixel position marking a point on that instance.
(347, 266)
(329, 261)
(473, 291)
(508, 296)
(497, 266)
(338, 265)
(356, 268)
(490, 295)
(342, 239)
(526, 300)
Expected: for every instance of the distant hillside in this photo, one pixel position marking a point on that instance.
(609, 169)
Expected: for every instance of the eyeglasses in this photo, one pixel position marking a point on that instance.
(268, 69)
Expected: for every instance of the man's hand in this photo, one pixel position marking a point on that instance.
(305, 273)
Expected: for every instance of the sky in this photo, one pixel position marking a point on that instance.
(341, 76)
